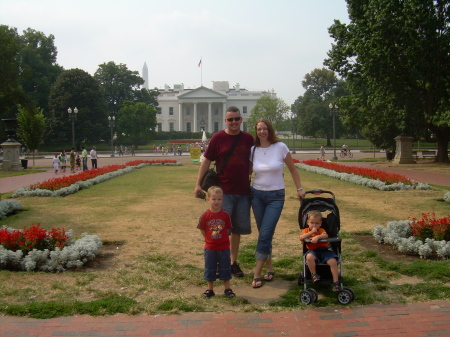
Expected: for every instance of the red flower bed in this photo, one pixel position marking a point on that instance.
(430, 227)
(34, 237)
(388, 178)
(54, 184)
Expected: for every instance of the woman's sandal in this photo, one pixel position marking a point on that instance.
(316, 278)
(269, 276)
(208, 293)
(336, 286)
(255, 283)
(229, 293)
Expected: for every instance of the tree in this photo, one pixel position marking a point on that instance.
(136, 123)
(118, 84)
(322, 87)
(395, 57)
(76, 88)
(11, 91)
(274, 109)
(31, 127)
(39, 69)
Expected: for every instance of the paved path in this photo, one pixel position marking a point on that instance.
(13, 183)
(413, 320)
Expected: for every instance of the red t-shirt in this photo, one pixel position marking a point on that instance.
(234, 177)
(312, 246)
(216, 226)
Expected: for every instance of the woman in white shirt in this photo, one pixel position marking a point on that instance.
(268, 157)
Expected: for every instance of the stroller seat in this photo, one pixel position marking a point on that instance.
(331, 224)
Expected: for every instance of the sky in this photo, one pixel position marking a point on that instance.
(260, 44)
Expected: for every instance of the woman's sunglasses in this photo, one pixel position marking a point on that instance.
(236, 119)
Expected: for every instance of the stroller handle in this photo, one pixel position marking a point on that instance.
(320, 191)
(337, 239)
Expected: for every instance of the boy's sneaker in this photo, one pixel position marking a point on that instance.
(236, 270)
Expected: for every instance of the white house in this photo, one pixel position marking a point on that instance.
(203, 109)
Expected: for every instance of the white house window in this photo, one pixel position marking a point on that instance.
(171, 111)
(188, 111)
(216, 126)
(216, 111)
(244, 109)
(188, 126)
(171, 128)
(159, 126)
(159, 110)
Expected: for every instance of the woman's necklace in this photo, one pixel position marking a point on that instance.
(266, 149)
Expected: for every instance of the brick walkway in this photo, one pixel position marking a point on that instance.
(413, 320)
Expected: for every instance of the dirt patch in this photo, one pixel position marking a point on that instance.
(387, 252)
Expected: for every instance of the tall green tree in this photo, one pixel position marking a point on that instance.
(118, 83)
(395, 57)
(274, 109)
(39, 69)
(136, 123)
(321, 88)
(77, 88)
(31, 127)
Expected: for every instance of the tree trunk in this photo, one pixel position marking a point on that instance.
(442, 137)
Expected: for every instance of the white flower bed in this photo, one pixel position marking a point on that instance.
(7, 207)
(359, 180)
(81, 185)
(447, 197)
(399, 235)
(74, 255)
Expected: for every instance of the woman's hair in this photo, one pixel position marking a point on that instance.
(214, 189)
(315, 214)
(272, 138)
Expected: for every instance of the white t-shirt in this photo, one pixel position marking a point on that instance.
(268, 165)
(93, 154)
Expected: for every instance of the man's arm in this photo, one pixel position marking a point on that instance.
(204, 166)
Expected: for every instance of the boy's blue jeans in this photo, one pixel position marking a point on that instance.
(267, 207)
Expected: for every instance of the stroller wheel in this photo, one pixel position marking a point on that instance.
(345, 296)
(301, 279)
(314, 294)
(351, 292)
(306, 297)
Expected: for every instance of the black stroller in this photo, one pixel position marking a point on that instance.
(331, 224)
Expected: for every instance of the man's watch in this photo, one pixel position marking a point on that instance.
(300, 189)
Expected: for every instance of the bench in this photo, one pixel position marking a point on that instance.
(428, 154)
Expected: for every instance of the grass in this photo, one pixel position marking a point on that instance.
(152, 259)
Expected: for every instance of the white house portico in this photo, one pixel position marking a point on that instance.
(203, 109)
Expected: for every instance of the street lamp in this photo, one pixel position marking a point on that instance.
(73, 117)
(334, 109)
(111, 121)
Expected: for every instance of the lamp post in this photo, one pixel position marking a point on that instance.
(334, 109)
(73, 117)
(293, 134)
(111, 121)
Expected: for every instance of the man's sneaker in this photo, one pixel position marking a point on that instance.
(236, 270)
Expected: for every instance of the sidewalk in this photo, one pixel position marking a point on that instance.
(412, 320)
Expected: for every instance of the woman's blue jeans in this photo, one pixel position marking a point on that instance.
(267, 207)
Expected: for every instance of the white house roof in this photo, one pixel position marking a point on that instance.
(201, 92)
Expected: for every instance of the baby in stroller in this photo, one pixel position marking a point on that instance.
(319, 222)
(319, 251)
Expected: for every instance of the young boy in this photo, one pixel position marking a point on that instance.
(215, 226)
(319, 250)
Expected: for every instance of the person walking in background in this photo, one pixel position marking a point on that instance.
(268, 157)
(55, 161)
(215, 226)
(78, 162)
(93, 154)
(84, 157)
(63, 160)
(322, 153)
(233, 178)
